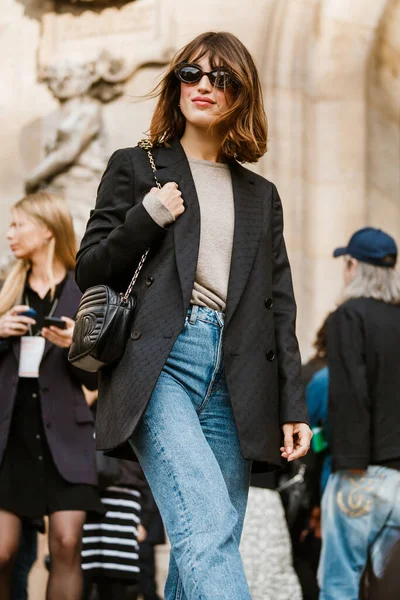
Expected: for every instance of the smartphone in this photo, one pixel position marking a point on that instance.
(54, 322)
(31, 312)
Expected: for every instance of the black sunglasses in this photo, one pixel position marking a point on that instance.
(219, 77)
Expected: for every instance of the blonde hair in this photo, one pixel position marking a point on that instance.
(370, 281)
(53, 213)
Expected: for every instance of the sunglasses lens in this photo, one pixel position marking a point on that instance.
(221, 78)
(189, 74)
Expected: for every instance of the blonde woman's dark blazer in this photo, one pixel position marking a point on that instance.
(67, 420)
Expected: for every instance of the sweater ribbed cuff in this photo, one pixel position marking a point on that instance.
(157, 210)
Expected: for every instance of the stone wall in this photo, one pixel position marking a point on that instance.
(331, 77)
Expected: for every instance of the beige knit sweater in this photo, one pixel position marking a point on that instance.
(214, 190)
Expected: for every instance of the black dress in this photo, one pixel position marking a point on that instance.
(30, 484)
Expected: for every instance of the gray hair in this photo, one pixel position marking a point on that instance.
(380, 283)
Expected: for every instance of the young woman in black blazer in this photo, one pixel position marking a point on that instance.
(47, 457)
(211, 372)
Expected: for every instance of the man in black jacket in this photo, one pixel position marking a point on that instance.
(361, 504)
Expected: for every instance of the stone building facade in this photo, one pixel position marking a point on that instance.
(331, 77)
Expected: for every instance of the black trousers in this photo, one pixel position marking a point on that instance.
(106, 588)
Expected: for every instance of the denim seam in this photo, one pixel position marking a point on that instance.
(213, 376)
(175, 488)
(179, 589)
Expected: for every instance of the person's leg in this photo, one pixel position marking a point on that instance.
(389, 534)
(65, 537)
(146, 577)
(26, 556)
(112, 589)
(10, 528)
(353, 511)
(191, 495)
(218, 425)
(88, 585)
(388, 586)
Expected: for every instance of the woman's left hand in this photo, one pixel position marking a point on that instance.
(60, 337)
(297, 440)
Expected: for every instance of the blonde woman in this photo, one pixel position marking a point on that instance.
(47, 459)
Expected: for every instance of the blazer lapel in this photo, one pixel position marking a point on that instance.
(249, 223)
(172, 165)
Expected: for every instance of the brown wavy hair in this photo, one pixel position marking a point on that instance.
(321, 339)
(244, 122)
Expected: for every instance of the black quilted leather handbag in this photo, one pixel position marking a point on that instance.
(104, 317)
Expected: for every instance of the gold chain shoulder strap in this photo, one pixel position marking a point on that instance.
(147, 145)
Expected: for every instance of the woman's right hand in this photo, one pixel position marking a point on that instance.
(171, 197)
(13, 324)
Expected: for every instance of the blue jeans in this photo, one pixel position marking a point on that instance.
(360, 517)
(189, 450)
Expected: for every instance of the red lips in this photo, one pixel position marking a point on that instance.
(203, 99)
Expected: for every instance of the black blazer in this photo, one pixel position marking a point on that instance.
(261, 354)
(67, 419)
(364, 383)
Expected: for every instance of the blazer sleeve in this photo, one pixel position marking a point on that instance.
(291, 391)
(119, 229)
(349, 399)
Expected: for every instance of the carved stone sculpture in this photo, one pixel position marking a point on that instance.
(74, 150)
(75, 155)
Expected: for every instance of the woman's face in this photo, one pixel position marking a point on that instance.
(26, 236)
(201, 102)
(350, 269)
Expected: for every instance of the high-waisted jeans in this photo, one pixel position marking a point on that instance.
(188, 446)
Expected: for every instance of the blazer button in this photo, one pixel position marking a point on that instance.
(270, 355)
(269, 302)
(149, 281)
(136, 333)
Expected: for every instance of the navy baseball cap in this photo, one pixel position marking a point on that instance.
(372, 246)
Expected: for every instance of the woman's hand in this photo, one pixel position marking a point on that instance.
(314, 525)
(297, 440)
(141, 534)
(171, 197)
(13, 324)
(60, 337)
